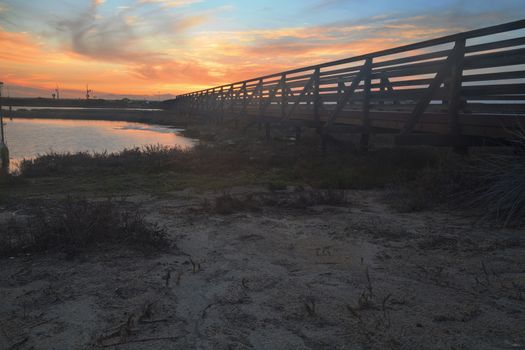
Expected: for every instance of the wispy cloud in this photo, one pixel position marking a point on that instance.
(121, 36)
(142, 46)
(171, 3)
(326, 4)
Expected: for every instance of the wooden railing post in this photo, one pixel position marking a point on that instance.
(205, 102)
(244, 100)
(341, 86)
(454, 96)
(317, 99)
(212, 105)
(260, 94)
(365, 135)
(382, 90)
(208, 100)
(198, 102)
(305, 93)
(221, 98)
(284, 96)
(232, 100)
(344, 98)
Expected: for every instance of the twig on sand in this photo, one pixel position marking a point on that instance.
(143, 340)
(154, 321)
(18, 343)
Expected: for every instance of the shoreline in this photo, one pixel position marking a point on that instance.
(101, 125)
(140, 116)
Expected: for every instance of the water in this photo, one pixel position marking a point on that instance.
(29, 108)
(27, 138)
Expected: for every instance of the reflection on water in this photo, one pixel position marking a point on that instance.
(29, 108)
(28, 138)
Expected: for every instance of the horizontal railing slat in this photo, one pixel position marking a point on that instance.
(430, 81)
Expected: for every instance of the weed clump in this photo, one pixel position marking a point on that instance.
(77, 224)
(502, 190)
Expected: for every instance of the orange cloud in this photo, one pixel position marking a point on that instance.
(26, 62)
(18, 48)
(147, 65)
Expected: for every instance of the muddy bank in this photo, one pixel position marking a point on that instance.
(358, 275)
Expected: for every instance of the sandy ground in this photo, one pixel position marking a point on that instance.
(355, 277)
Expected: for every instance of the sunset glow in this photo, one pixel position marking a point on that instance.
(166, 47)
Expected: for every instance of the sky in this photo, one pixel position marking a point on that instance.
(161, 48)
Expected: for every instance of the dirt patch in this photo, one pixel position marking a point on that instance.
(319, 277)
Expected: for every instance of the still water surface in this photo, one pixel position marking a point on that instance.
(27, 138)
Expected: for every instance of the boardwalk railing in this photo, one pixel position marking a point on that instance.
(446, 91)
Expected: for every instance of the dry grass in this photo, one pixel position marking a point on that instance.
(418, 178)
(145, 159)
(448, 182)
(227, 204)
(281, 163)
(74, 225)
(502, 194)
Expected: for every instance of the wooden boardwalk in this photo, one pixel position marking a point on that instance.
(458, 90)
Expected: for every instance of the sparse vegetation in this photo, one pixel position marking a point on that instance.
(502, 190)
(73, 225)
(227, 204)
(279, 164)
(445, 182)
(417, 178)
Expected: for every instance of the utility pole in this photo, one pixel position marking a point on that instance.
(88, 92)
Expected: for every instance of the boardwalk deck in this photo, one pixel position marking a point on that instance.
(453, 90)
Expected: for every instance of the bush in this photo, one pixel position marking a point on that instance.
(449, 181)
(502, 193)
(149, 158)
(201, 159)
(76, 224)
